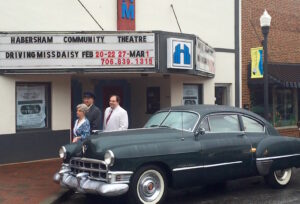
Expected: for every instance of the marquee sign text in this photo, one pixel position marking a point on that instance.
(123, 50)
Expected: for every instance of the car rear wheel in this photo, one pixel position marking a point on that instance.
(148, 186)
(279, 178)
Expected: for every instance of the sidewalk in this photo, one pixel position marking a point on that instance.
(28, 182)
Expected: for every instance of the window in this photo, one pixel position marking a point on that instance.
(283, 105)
(224, 123)
(153, 99)
(181, 120)
(284, 108)
(204, 124)
(192, 94)
(222, 94)
(251, 125)
(32, 106)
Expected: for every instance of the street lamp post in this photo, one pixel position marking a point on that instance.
(265, 22)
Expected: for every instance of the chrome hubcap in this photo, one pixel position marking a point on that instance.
(149, 186)
(281, 175)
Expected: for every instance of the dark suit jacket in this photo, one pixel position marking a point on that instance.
(94, 117)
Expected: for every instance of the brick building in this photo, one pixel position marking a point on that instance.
(284, 61)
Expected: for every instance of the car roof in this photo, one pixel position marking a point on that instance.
(209, 109)
(204, 110)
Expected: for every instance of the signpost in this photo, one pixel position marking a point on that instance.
(65, 51)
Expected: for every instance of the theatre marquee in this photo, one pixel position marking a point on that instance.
(106, 52)
(72, 51)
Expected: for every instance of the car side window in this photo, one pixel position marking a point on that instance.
(224, 123)
(181, 120)
(204, 124)
(251, 125)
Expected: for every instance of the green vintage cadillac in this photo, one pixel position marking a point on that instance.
(179, 147)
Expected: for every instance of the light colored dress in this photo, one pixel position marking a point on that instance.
(82, 129)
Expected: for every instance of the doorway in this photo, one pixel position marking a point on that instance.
(222, 94)
(105, 88)
(111, 90)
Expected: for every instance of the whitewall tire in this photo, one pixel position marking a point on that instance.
(148, 186)
(279, 178)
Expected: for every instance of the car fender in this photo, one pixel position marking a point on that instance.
(277, 152)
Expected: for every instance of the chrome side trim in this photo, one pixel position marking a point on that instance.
(120, 172)
(206, 166)
(277, 157)
(126, 175)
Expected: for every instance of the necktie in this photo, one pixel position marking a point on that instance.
(107, 119)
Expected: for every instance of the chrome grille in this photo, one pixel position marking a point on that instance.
(96, 169)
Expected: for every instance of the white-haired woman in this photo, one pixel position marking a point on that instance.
(81, 128)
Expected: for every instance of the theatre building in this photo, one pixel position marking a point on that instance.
(283, 66)
(153, 54)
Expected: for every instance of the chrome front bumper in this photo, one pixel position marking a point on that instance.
(83, 184)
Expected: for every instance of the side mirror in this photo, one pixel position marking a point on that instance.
(200, 131)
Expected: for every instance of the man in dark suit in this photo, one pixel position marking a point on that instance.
(93, 114)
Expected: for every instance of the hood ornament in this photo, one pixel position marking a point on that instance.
(84, 148)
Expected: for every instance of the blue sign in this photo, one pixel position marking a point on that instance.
(128, 11)
(180, 53)
(186, 55)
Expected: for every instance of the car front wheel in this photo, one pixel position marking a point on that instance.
(279, 178)
(148, 186)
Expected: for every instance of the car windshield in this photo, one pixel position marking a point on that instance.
(175, 119)
(156, 119)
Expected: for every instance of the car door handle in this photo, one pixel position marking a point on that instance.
(241, 134)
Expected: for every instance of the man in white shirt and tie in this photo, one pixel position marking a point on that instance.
(115, 117)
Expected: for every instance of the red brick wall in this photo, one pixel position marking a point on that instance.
(284, 35)
(294, 132)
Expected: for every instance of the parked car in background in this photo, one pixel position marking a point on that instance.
(180, 146)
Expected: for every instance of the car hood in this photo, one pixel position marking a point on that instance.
(98, 144)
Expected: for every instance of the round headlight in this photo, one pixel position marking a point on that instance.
(62, 152)
(109, 158)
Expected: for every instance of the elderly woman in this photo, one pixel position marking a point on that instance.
(81, 128)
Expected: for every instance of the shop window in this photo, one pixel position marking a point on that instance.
(192, 94)
(298, 103)
(153, 99)
(257, 100)
(32, 106)
(283, 105)
(285, 108)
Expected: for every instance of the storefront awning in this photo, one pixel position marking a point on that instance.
(284, 75)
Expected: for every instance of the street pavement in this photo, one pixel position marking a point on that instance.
(242, 191)
(32, 183)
